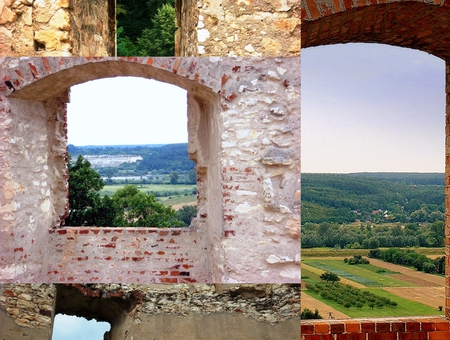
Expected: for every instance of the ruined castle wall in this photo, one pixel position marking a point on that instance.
(243, 28)
(244, 135)
(128, 255)
(26, 311)
(190, 311)
(57, 27)
(93, 30)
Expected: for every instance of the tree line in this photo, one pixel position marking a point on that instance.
(410, 258)
(128, 207)
(370, 236)
(170, 159)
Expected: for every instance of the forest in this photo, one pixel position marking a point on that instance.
(156, 158)
(374, 197)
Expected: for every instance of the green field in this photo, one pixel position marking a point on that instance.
(167, 192)
(365, 274)
(374, 279)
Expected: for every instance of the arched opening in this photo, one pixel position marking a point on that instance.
(138, 144)
(372, 118)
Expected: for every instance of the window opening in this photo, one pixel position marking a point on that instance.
(133, 133)
(371, 109)
(70, 327)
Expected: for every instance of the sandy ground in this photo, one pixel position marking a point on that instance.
(433, 295)
(179, 206)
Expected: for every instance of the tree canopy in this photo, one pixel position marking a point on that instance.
(128, 207)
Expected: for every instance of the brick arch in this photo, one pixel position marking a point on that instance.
(413, 24)
(243, 134)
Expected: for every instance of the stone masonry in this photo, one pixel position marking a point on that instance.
(243, 28)
(244, 132)
(163, 311)
(57, 27)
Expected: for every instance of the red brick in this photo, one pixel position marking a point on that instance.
(439, 335)
(352, 327)
(307, 329)
(383, 327)
(368, 327)
(337, 328)
(322, 327)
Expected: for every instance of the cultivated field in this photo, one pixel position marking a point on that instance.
(415, 292)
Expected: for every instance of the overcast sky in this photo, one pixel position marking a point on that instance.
(370, 107)
(126, 110)
(67, 327)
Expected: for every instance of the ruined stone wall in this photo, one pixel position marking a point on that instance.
(128, 255)
(243, 28)
(93, 26)
(26, 311)
(244, 135)
(57, 27)
(191, 311)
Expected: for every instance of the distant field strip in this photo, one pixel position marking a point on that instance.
(317, 271)
(364, 274)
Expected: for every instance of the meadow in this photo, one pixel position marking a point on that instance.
(372, 279)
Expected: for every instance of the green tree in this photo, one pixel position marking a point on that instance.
(142, 210)
(192, 177)
(186, 214)
(174, 175)
(160, 39)
(329, 277)
(86, 206)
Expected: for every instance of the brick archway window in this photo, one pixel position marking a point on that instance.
(144, 114)
(362, 117)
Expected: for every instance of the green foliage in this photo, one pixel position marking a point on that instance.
(374, 197)
(308, 314)
(159, 40)
(147, 27)
(411, 258)
(186, 214)
(357, 259)
(174, 175)
(142, 210)
(86, 206)
(349, 296)
(329, 277)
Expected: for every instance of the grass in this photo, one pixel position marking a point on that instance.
(111, 189)
(181, 199)
(365, 274)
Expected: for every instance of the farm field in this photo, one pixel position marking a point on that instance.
(416, 293)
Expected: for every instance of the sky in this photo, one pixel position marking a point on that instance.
(67, 327)
(126, 110)
(371, 107)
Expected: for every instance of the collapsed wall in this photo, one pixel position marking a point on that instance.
(57, 28)
(197, 311)
(244, 136)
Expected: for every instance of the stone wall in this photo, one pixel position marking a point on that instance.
(242, 28)
(191, 311)
(57, 27)
(26, 311)
(244, 132)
